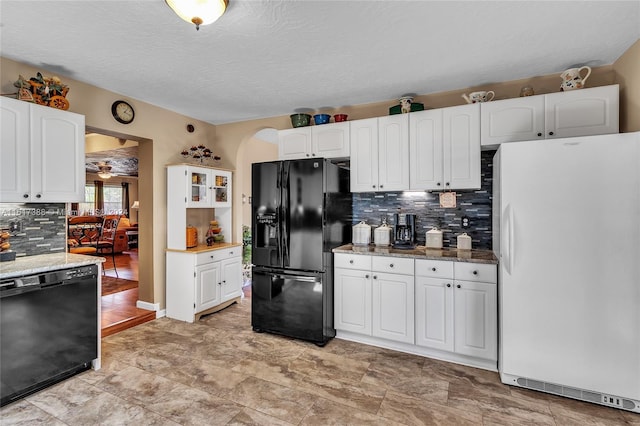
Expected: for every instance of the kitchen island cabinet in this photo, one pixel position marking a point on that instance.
(435, 303)
(42, 153)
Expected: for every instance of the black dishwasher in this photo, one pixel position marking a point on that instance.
(48, 329)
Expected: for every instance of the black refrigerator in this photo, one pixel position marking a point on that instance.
(301, 210)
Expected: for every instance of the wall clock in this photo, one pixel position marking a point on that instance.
(122, 112)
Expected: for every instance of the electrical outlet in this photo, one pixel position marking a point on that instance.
(612, 401)
(465, 222)
(15, 226)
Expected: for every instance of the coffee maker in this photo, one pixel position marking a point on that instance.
(404, 231)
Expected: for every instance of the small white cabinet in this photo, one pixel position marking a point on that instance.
(444, 146)
(42, 153)
(352, 300)
(203, 281)
(456, 307)
(380, 154)
(326, 141)
(205, 187)
(583, 112)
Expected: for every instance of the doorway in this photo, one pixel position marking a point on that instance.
(114, 160)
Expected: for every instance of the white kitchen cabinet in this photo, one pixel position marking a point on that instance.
(444, 146)
(190, 189)
(581, 112)
(393, 307)
(202, 281)
(373, 296)
(456, 307)
(380, 154)
(434, 313)
(42, 153)
(352, 300)
(327, 141)
(475, 319)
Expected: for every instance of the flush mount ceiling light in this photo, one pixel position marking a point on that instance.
(198, 12)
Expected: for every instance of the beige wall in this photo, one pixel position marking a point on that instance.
(627, 69)
(252, 151)
(162, 135)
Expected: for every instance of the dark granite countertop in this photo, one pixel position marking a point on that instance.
(420, 252)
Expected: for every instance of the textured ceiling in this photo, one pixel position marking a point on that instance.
(270, 58)
(123, 161)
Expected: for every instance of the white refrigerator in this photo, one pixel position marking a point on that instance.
(567, 235)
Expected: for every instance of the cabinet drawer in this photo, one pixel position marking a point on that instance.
(434, 268)
(483, 272)
(352, 261)
(217, 255)
(393, 265)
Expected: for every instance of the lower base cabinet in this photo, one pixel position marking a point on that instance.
(202, 282)
(441, 309)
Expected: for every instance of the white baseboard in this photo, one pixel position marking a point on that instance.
(148, 306)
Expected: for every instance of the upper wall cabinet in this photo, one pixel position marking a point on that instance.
(581, 112)
(444, 148)
(42, 154)
(326, 140)
(380, 154)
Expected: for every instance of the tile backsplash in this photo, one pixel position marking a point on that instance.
(475, 205)
(35, 228)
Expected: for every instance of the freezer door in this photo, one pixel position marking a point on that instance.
(569, 262)
(303, 193)
(266, 231)
(291, 304)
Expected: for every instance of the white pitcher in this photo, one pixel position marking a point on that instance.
(571, 78)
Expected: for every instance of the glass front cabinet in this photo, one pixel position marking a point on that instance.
(208, 187)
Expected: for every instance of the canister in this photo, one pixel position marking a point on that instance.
(464, 242)
(382, 235)
(192, 236)
(434, 239)
(361, 234)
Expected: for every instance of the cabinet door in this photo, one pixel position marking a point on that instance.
(364, 155)
(208, 282)
(330, 140)
(425, 149)
(393, 152)
(434, 313)
(582, 112)
(352, 300)
(475, 319)
(221, 193)
(200, 187)
(57, 155)
(393, 307)
(461, 147)
(15, 161)
(231, 270)
(294, 143)
(510, 120)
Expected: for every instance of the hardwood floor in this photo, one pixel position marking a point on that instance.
(119, 310)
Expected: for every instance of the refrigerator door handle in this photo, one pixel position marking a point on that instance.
(286, 218)
(302, 278)
(506, 252)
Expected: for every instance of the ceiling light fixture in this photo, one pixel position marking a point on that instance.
(198, 12)
(104, 175)
(104, 171)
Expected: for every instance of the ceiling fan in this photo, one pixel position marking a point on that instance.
(104, 170)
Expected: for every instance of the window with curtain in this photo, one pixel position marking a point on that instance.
(113, 196)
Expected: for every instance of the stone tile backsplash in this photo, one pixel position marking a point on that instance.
(41, 227)
(470, 204)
